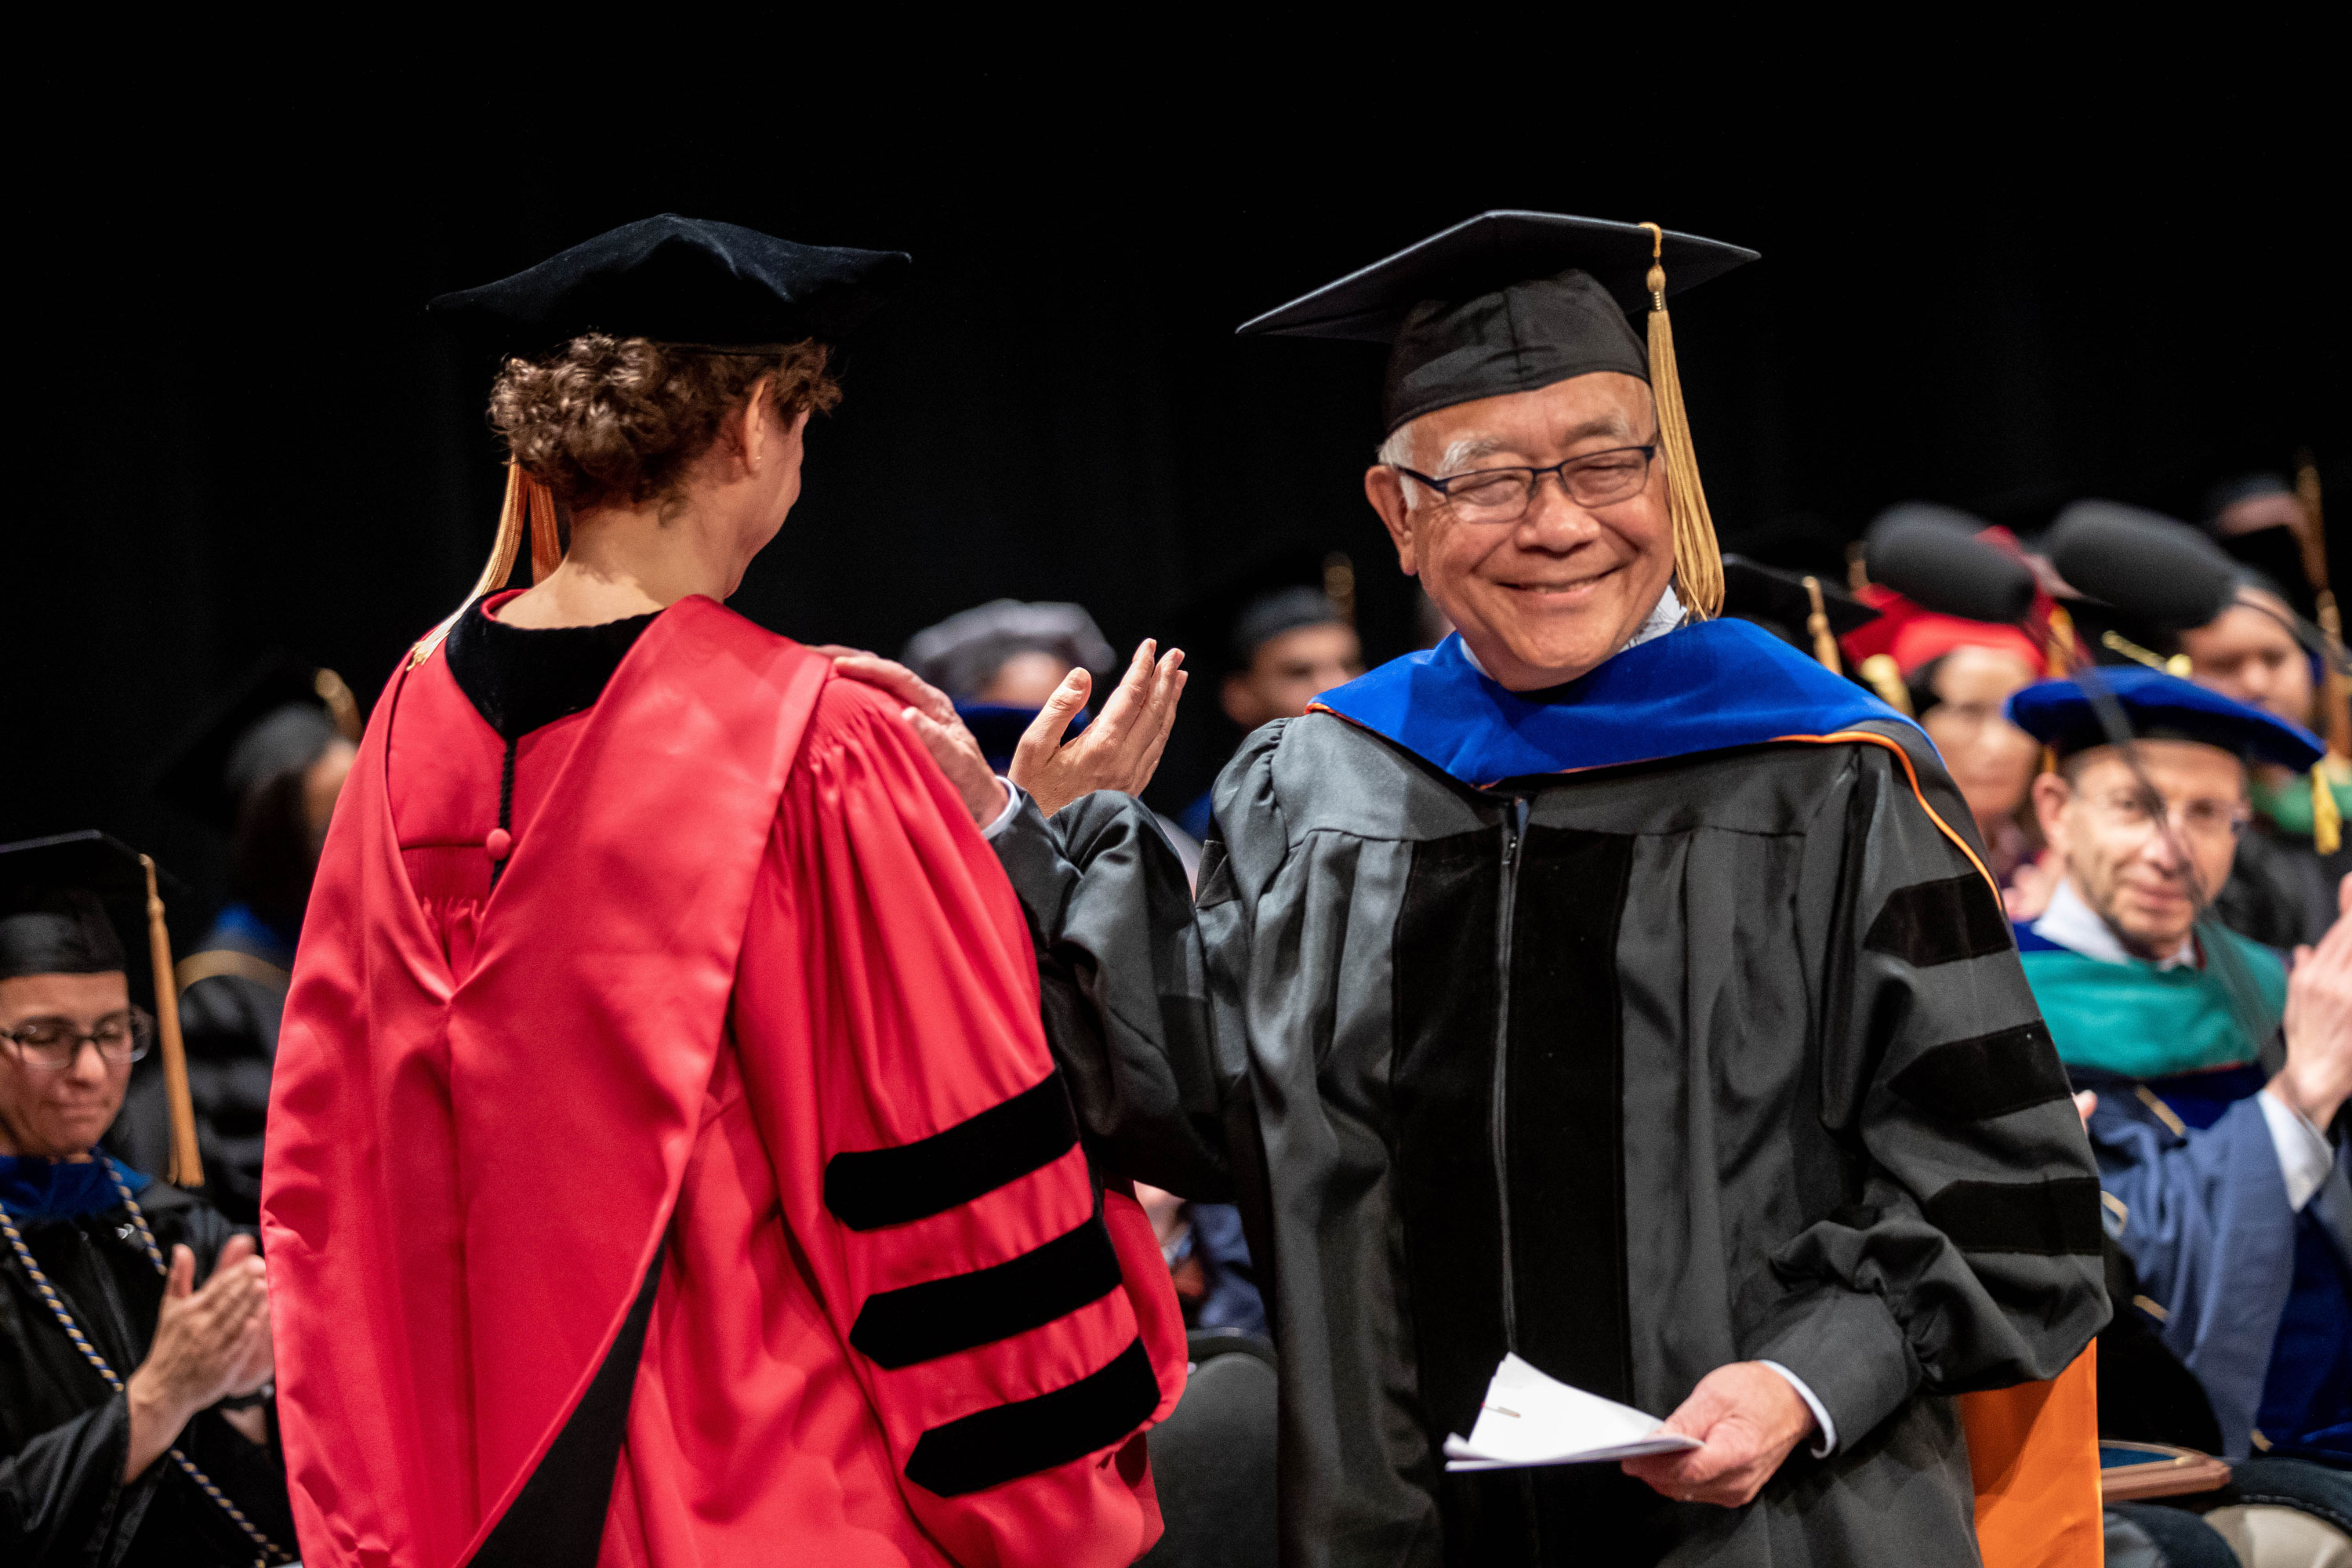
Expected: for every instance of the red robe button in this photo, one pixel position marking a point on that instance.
(498, 844)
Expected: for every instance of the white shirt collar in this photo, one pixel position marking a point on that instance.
(2074, 924)
(1664, 618)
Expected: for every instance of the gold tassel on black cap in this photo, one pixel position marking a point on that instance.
(529, 508)
(1817, 622)
(187, 1166)
(1698, 559)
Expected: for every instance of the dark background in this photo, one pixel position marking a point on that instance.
(244, 438)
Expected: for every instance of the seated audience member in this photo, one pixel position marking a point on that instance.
(264, 771)
(1958, 676)
(1005, 662)
(1209, 1260)
(1286, 648)
(133, 1426)
(2282, 888)
(2225, 1186)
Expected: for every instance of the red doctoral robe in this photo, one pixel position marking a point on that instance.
(702, 1192)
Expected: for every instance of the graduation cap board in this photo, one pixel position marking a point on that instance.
(68, 904)
(1782, 601)
(1512, 301)
(690, 283)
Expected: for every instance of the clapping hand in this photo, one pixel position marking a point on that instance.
(210, 1344)
(2318, 1077)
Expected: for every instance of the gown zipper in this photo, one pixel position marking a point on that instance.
(1515, 833)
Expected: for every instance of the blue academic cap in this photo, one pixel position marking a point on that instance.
(2160, 707)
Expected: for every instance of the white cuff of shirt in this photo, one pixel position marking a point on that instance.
(2304, 1156)
(1012, 799)
(1828, 1439)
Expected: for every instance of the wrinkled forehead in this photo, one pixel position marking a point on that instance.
(2180, 770)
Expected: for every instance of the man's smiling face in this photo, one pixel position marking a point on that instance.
(1544, 597)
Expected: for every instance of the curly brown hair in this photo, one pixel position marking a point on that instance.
(605, 420)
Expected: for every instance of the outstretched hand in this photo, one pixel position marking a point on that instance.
(1748, 1418)
(1119, 750)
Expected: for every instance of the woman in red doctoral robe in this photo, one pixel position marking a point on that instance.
(665, 1162)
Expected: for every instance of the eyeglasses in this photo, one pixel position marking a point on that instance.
(2211, 821)
(53, 1044)
(1498, 495)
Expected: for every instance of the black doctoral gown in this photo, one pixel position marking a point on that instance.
(64, 1434)
(1716, 1050)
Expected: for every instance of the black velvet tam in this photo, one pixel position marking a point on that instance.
(273, 721)
(1508, 302)
(70, 904)
(1776, 599)
(678, 280)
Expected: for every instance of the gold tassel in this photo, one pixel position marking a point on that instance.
(529, 508)
(1818, 622)
(1886, 678)
(2327, 822)
(1698, 559)
(187, 1166)
(2058, 653)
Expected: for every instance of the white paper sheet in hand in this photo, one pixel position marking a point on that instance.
(1530, 1419)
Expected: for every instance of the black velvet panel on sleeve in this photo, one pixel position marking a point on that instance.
(1989, 1075)
(1942, 922)
(921, 1323)
(1009, 1441)
(868, 1189)
(2052, 1218)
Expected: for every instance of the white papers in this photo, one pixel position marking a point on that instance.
(1530, 1419)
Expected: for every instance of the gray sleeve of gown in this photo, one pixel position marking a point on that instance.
(1119, 957)
(1967, 1255)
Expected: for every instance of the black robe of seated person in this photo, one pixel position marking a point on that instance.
(64, 1433)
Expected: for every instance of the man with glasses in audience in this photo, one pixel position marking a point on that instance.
(132, 1419)
(2220, 1072)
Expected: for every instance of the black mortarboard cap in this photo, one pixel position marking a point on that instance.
(1277, 591)
(1778, 600)
(281, 716)
(679, 280)
(72, 904)
(1506, 302)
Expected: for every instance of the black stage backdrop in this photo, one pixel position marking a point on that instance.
(247, 439)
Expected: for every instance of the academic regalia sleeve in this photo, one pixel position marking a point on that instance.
(1121, 954)
(1011, 1325)
(1968, 1254)
(2206, 1224)
(62, 1490)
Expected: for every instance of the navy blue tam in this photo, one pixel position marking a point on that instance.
(679, 280)
(2160, 707)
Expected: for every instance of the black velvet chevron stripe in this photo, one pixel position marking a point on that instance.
(991, 1446)
(2048, 1218)
(1928, 923)
(870, 1189)
(940, 1317)
(1990, 1074)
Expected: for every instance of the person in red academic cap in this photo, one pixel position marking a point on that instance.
(1956, 676)
(665, 1162)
